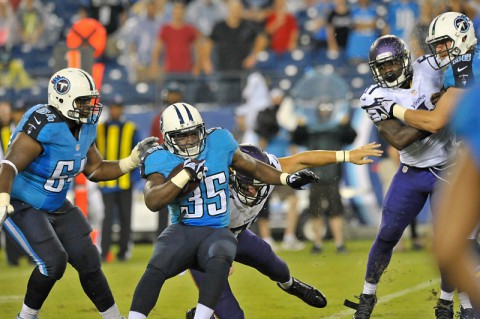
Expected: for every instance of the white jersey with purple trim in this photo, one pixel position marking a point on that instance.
(435, 149)
(243, 216)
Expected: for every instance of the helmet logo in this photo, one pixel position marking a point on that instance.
(61, 84)
(462, 24)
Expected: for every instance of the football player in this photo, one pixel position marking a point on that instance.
(423, 156)
(249, 197)
(198, 236)
(452, 40)
(460, 204)
(52, 144)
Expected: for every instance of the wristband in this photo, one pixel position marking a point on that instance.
(340, 156)
(347, 156)
(126, 165)
(181, 179)
(283, 178)
(11, 164)
(399, 112)
(4, 199)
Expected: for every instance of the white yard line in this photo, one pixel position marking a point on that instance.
(387, 298)
(4, 299)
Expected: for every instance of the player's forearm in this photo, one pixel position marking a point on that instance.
(159, 196)
(106, 171)
(308, 159)
(421, 119)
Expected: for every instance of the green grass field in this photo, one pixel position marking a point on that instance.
(408, 288)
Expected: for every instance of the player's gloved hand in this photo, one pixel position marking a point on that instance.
(301, 179)
(195, 169)
(5, 208)
(138, 153)
(379, 111)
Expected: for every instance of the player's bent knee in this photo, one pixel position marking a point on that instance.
(56, 266)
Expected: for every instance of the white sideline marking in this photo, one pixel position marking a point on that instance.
(11, 298)
(387, 298)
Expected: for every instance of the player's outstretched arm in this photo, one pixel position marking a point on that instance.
(267, 174)
(98, 169)
(316, 158)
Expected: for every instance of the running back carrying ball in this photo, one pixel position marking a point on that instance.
(191, 184)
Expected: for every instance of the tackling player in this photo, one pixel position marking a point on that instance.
(249, 197)
(52, 144)
(452, 41)
(198, 236)
(423, 156)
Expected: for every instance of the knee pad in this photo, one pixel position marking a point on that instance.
(390, 234)
(55, 266)
(224, 249)
(85, 259)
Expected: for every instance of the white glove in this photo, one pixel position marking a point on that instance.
(5, 208)
(138, 153)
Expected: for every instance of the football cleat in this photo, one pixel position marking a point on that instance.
(365, 306)
(444, 309)
(190, 313)
(310, 295)
(466, 313)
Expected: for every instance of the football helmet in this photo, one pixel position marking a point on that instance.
(390, 62)
(248, 190)
(178, 123)
(74, 94)
(452, 26)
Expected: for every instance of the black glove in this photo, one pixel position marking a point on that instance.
(300, 179)
(195, 169)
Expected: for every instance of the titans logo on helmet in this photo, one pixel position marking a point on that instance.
(461, 23)
(61, 84)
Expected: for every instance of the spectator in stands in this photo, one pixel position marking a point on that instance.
(115, 138)
(316, 13)
(12, 72)
(402, 15)
(204, 14)
(363, 32)
(8, 24)
(31, 23)
(141, 32)
(111, 14)
(236, 44)
(179, 42)
(256, 11)
(338, 28)
(282, 28)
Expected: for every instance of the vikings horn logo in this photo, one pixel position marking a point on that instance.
(61, 84)
(462, 24)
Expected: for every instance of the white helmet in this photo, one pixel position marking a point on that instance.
(181, 120)
(453, 26)
(73, 92)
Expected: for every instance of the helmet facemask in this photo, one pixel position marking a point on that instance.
(186, 143)
(391, 71)
(248, 190)
(86, 109)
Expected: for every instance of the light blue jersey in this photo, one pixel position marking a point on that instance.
(209, 204)
(45, 182)
(466, 121)
(464, 71)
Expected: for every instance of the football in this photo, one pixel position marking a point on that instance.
(189, 187)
